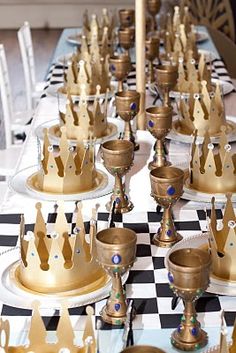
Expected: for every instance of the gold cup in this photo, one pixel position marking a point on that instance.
(159, 122)
(142, 349)
(189, 277)
(116, 252)
(166, 188)
(120, 66)
(152, 52)
(166, 76)
(153, 7)
(126, 38)
(118, 157)
(126, 17)
(127, 106)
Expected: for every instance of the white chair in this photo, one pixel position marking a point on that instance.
(14, 121)
(33, 89)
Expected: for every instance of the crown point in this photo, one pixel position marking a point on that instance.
(89, 310)
(38, 206)
(223, 128)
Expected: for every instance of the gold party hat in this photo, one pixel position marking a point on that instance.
(222, 242)
(37, 336)
(190, 77)
(212, 168)
(85, 123)
(201, 112)
(59, 260)
(95, 27)
(67, 170)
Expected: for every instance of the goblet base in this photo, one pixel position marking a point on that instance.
(156, 164)
(165, 243)
(119, 208)
(177, 342)
(112, 320)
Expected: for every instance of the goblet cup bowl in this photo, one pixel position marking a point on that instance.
(166, 189)
(159, 122)
(152, 52)
(118, 158)
(166, 76)
(116, 252)
(127, 107)
(127, 17)
(189, 277)
(120, 66)
(153, 7)
(126, 38)
(142, 349)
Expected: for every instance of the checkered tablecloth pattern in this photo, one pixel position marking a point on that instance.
(147, 283)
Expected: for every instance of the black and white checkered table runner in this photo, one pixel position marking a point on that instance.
(56, 73)
(147, 283)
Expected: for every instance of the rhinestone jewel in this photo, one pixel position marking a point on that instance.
(113, 68)
(116, 259)
(194, 331)
(170, 190)
(210, 146)
(170, 277)
(169, 232)
(117, 307)
(227, 148)
(54, 235)
(50, 148)
(150, 123)
(76, 230)
(232, 224)
(117, 200)
(133, 106)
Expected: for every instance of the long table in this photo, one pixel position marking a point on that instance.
(147, 282)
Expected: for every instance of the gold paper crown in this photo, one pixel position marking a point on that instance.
(59, 261)
(189, 79)
(69, 170)
(223, 242)
(201, 112)
(89, 72)
(93, 28)
(212, 169)
(37, 335)
(85, 123)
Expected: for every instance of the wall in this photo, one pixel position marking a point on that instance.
(52, 13)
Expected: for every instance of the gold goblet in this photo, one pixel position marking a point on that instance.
(116, 252)
(127, 106)
(142, 349)
(153, 7)
(120, 66)
(127, 17)
(159, 122)
(167, 76)
(189, 277)
(126, 38)
(152, 52)
(118, 157)
(166, 188)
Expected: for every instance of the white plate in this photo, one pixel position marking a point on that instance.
(11, 294)
(177, 136)
(55, 140)
(52, 90)
(18, 184)
(201, 36)
(217, 286)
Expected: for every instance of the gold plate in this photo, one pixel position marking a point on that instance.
(32, 184)
(111, 130)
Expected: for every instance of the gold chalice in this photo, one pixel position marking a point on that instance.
(126, 38)
(116, 252)
(166, 188)
(142, 349)
(118, 158)
(153, 7)
(166, 76)
(159, 122)
(127, 106)
(152, 52)
(126, 17)
(120, 66)
(189, 277)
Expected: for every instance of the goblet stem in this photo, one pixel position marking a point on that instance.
(116, 305)
(128, 133)
(122, 202)
(166, 98)
(189, 335)
(154, 26)
(120, 86)
(166, 235)
(159, 157)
